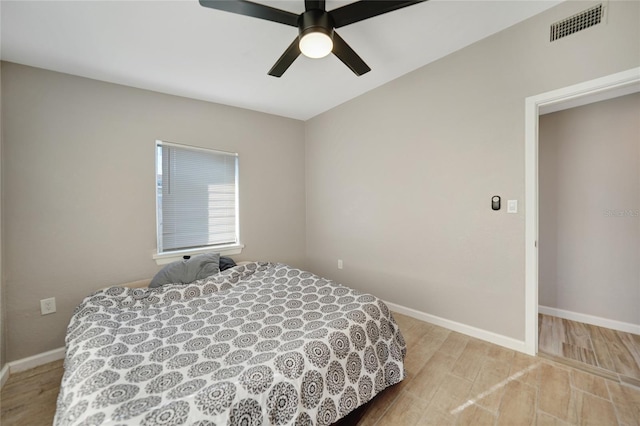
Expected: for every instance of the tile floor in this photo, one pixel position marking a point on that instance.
(458, 380)
(609, 353)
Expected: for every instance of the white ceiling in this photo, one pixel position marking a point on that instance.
(182, 48)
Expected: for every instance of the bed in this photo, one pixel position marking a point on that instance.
(257, 344)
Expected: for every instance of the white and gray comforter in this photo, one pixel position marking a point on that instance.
(257, 344)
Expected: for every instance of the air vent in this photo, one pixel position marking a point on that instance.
(577, 22)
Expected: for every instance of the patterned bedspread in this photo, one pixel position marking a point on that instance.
(257, 344)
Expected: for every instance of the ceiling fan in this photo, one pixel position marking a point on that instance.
(316, 27)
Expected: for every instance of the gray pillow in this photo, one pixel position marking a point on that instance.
(188, 270)
(226, 263)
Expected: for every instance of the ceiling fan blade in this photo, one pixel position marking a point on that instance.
(347, 55)
(364, 9)
(255, 10)
(314, 4)
(287, 58)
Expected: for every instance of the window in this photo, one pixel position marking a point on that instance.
(196, 200)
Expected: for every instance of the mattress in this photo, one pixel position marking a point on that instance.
(257, 344)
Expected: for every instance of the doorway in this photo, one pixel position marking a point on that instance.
(608, 87)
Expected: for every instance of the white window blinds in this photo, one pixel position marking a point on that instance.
(197, 197)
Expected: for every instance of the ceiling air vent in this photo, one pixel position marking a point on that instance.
(577, 22)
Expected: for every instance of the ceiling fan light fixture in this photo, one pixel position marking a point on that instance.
(315, 44)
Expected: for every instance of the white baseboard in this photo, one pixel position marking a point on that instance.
(35, 360)
(488, 336)
(590, 319)
(4, 374)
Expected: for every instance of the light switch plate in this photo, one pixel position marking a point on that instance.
(48, 306)
(512, 206)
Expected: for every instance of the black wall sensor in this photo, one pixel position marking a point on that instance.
(495, 202)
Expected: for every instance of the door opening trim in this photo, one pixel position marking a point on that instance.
(611, 86)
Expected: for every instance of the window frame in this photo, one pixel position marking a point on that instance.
(168, 256)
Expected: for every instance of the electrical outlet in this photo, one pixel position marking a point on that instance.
(339, 263)
(48, 306)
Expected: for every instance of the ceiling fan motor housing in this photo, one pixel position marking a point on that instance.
(315, 20)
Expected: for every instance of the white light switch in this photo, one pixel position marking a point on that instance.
(339, 263)
(512, 206)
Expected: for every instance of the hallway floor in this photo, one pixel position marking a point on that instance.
(609, 353)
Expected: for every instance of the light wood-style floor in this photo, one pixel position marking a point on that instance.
(609, 353)
(29, 397)
(452, 380)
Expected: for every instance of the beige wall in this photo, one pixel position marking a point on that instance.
(399, 180)
(589, 160)
(79, 181)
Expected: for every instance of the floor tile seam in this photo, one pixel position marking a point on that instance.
(415, 395)
(578, 416)
(613, 406)
(636, 365)
(377, 421)
(616, 411)
(443, 411)
(455, 358)
(472, 381)
(621, 385)
(406, 331)
(563, 366)
(622, 373)
(495, 423)
(440, 387)
(484, 407)
(413, 344)
(593, 348)
(538, 409)
(631, 344)
(479, 402)
(424, 364)
(610, 401)
(428, 356)
(599, 362)
(573, 385)
(536, 404)
(493, 374)
(572, 397)
(448, 370)
(575, 388)
(626, 375)
(459, 415)
(428, 405)
(391, 404)
(525, 383)
(630, 385)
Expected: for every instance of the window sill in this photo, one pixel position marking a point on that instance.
(172, 256)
